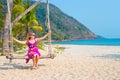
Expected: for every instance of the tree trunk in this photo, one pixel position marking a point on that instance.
(5, 44)
(27, 29)
(9, 6)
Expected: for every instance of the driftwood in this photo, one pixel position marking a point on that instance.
(11, 57)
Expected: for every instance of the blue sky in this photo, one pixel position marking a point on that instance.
(100, 16)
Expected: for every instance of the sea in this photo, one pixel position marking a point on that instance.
(100, 42)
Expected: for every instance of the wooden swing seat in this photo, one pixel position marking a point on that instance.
(11, 57)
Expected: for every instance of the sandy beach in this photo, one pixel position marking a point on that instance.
(76, 62)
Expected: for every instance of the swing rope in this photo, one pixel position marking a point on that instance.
(49, 29)
(48, 26)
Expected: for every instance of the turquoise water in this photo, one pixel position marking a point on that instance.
(101, 42)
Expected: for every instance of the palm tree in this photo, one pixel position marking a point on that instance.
(5, 46)
(27, 21)
(30, 17)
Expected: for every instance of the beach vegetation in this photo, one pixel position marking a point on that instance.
(58, 49)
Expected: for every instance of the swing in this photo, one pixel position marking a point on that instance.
(10, 56)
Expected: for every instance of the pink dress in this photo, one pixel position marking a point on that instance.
(32, 51)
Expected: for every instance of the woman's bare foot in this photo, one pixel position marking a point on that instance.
(33, 68)
(37, 67)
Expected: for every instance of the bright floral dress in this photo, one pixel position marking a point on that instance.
(33, 51)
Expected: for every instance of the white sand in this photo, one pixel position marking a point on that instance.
(76, 63)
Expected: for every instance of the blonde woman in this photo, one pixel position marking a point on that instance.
(33, 52)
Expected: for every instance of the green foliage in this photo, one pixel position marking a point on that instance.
(21, 50)
(17, 9)
(56, 36)
(39, 28)
(0, 51)
(26, 22)
(1, 4)
(2, 15)
(40, 45)
(59, 49)
(17, 2)
(0, 42)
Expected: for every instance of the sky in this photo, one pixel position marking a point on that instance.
(101, 16)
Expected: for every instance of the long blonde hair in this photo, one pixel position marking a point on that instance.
(29, 36)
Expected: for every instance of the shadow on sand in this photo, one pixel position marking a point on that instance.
(7, 66)
(110, 56)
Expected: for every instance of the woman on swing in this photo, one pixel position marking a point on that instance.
(33, 52)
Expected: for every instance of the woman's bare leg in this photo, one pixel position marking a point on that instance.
(37, 59)
(34, 62)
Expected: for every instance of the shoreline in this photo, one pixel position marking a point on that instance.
(88, 45)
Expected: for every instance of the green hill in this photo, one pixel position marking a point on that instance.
(63, 27)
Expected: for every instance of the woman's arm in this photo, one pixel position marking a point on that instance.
(42, 38)
(21, 42)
